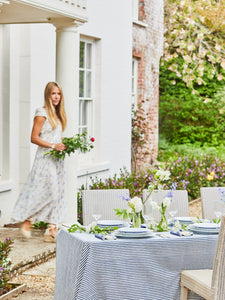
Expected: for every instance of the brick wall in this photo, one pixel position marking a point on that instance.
(148, 47)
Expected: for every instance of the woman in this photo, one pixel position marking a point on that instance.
(42, 197)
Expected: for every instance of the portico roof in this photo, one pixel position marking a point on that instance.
(41, 11)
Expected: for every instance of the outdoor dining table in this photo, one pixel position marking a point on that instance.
(88, 268)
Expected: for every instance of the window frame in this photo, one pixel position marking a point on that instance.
(85, 98)
(135, 9)
(134, 80)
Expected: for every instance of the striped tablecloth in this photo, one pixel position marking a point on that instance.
(127, 269)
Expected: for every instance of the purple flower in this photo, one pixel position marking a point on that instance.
(125, 198)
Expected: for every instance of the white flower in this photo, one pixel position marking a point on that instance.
(166, 201)
(177, 225)
(129, 210)
(163, 175)
(91, 226)
(219, 77)
(199, 80)
(155, 205)
(218, 47)
(223, 64)
(136, 204)
(152, 224)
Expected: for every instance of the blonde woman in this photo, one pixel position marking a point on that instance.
(42, 196)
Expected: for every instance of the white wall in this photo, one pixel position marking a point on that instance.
(110, 22)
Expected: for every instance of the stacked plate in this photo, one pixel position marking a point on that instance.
(112, 223)
(205, 228)
(129, 232)
(184, 220)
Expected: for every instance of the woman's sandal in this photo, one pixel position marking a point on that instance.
(25, 233)
(50, 237)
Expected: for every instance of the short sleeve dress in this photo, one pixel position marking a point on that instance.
(42, 196)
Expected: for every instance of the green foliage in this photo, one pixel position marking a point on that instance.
(77, 227)
(78, 142)
(92, 228)
(197, 172)
(184, 117)
(5, 248)
(168, 151)
(192, 73)
(40, 225)
(123, 213)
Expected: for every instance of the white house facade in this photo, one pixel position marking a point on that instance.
(86, 46)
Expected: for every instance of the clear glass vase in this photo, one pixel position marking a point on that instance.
(163, 224)
(137, 220)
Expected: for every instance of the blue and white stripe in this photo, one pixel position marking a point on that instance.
(88, 268)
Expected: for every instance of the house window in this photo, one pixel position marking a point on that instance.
(135, 10)
(134, 82)
(86, 87)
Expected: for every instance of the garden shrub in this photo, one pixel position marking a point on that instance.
(192, 72)
(188, 172)
(5, 263)
(195, 172)
(185, 117)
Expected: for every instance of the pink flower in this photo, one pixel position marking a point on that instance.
(92, 139)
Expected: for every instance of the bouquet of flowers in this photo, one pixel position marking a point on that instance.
(78, 142)
(157, 183)
(159, 178)
(133, 211)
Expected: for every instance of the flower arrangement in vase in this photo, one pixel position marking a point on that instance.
(157, 184)
(133, 212)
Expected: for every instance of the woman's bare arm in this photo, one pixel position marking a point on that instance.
(35, 135)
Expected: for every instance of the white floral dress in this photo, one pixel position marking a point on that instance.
(42, 196)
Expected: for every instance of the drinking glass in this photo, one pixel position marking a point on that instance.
(172, 213)
(147, 211)
(217, 209)
(96, 217)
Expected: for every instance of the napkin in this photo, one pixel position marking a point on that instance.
(105, 237)
(182, 233)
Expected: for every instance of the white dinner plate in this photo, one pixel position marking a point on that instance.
(203, 230)
(131, 230)
(185, 219)
(147, 234)
(207, 225)
(110, 223)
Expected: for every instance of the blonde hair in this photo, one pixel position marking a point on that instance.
(51, 110)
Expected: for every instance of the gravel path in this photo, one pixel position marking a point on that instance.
(40, 281)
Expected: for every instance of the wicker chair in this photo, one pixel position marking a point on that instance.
(209, 284)
(102, 202)
(179, 202)
(210, 199)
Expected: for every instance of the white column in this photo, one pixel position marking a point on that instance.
(67, 75)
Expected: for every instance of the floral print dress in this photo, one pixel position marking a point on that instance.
(42, 196)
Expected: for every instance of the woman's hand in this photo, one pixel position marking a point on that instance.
(60, 147)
